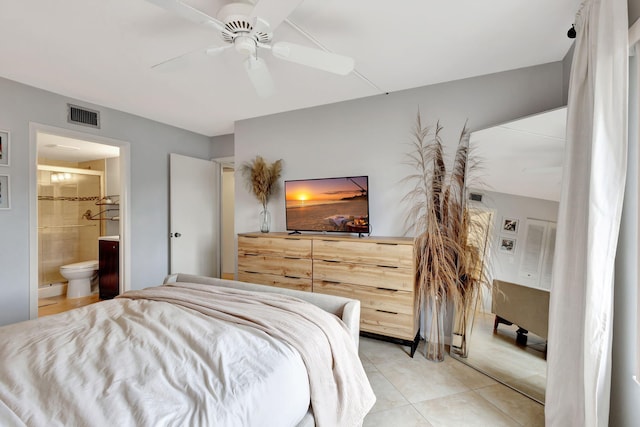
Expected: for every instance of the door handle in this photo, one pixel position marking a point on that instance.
(175, 235)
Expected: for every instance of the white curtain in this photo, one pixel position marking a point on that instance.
(581, 305)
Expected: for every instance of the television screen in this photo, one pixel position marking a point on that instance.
(328, 204)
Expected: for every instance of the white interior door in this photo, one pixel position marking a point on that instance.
(536, 265)
(194, 194)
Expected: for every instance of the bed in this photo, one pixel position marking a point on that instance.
(192, 351)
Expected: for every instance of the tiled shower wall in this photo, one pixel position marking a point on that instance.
(64, 236)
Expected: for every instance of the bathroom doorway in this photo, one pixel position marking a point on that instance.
(79, 191)
(67, 227)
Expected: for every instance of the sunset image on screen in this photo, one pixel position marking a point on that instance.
(331, 204)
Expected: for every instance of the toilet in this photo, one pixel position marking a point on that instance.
(80, 276)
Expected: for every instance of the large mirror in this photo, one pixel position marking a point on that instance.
(517, 196)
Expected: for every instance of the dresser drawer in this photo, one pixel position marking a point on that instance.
(371, 253)
(289, 267)
(390, 324)
(300, 284)
(286, 246)
(375, 298)
(365, 275)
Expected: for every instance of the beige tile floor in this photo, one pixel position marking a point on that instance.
(417, 392)
(497, 354)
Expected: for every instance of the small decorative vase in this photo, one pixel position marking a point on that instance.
(434, 348)
(463, 324)
(265, 220)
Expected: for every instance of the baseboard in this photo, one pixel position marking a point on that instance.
(52, 290)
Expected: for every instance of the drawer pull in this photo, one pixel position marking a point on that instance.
(291, 238)
(247, 254)
(388, 289)
(251, 272)
(389, 312)
(387, 266)
(291, 277)
(386, 243)
(249, 237)
(331, 282)
(291, 257)
(330, 260)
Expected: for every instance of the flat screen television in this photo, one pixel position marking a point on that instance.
(328, 204)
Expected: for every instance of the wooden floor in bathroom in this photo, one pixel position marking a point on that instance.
(58, 304)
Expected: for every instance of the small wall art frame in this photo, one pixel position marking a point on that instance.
(507, 244)
(510, 225)
(4, 147)
(5, 192)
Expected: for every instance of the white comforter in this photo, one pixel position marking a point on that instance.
(183, 354)
(144, 363)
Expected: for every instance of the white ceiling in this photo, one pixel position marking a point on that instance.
(523, 157)
(102, 52)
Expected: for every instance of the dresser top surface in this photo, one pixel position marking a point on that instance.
(333, 237)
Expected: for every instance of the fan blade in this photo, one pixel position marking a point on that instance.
(259, 75)
(315, 58)
(189, 13)
(274, 11)
(260, 26)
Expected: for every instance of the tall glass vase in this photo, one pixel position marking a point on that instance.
(463, 323)
(265, 220)
(435, 314)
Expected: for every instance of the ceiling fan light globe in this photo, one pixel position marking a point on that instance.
(245, 45)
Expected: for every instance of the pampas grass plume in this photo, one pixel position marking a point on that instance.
(262, 178)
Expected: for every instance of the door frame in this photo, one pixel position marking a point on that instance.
(125, 197)
(228, 162)
(486, 297)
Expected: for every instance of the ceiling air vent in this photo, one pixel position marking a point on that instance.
(476, 197)
(83, 116)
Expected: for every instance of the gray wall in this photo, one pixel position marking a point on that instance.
(625, 392)
(634, 10)
(505, 266)
(370, 136)
(151, 142)
(566, 73)
(221, 146)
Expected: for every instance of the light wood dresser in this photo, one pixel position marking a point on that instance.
(378, 271)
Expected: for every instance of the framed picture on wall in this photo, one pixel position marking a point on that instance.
(510, 225)
(4, 192)
(507, 244)
(4, 148)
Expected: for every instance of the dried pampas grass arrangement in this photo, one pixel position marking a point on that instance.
(262, 178)
(447, 266)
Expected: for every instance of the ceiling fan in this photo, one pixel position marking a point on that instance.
(249, 30)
